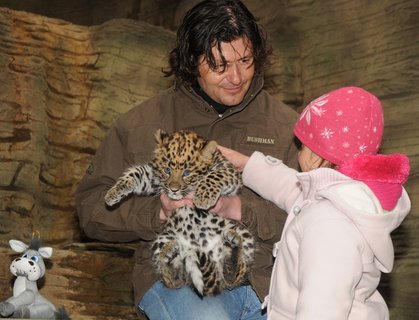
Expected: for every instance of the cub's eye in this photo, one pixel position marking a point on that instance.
(186, 172)
(34, 258)
(167, 170)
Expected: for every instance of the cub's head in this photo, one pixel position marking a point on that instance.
(180, 160)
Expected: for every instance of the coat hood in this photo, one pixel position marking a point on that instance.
(359, 203)
(383, 174)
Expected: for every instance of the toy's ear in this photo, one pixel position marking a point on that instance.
(17, 245)
(46, 252)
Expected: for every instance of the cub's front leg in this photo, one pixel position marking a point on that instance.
(216, 184)
(137, 179)
(207, 194)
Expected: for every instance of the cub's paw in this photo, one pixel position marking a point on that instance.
(113, 196)
(171, 267)
(232, 238)
(205, 197)
(119, 191)
(169, 252)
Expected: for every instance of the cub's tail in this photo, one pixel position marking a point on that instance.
(194, 272)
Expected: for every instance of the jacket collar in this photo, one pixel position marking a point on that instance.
(255, 87)
(318, 179)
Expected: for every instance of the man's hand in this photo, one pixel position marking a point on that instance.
(168, 205)
(228, 207)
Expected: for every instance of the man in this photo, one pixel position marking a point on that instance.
(218, 63)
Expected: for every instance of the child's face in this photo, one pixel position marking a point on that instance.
(309, 160)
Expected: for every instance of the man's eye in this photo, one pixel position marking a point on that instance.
(220, 68)
(246, 60)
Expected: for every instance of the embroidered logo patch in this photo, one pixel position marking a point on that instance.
(260, 140)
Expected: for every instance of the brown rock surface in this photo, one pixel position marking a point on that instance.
(61, 87)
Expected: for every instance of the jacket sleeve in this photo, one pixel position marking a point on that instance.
(272, 179)
(329, 269)
(136, 217)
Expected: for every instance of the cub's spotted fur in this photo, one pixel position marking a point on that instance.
(195, 248)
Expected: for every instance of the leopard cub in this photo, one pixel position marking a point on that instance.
(195, 248)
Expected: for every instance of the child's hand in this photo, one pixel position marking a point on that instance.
(238, 159)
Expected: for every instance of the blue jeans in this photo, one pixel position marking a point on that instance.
(162, 303)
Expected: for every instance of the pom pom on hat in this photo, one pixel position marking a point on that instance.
(342, 123)
(383, 174)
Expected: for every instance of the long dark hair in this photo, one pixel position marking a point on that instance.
(208, 24)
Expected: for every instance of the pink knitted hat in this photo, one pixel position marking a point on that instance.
(342, 123)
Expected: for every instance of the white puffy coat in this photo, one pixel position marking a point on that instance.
(335, 243)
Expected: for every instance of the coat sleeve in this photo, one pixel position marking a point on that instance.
(272, 179)
(135, 218)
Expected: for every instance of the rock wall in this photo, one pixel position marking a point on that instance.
(62, 85)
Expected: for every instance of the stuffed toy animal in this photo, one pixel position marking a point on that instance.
(26, 301)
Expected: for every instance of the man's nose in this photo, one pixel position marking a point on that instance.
(234, 74)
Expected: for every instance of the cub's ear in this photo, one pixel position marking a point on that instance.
(18, 246)
(160, 135)
(209, 149)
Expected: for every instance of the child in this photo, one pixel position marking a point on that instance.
(342, 209)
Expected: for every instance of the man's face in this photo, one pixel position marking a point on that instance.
(228, 84)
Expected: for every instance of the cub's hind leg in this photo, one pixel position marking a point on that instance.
(212, 278)
(168, 262)
(236, 265)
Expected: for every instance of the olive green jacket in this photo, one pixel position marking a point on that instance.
(258, 123)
